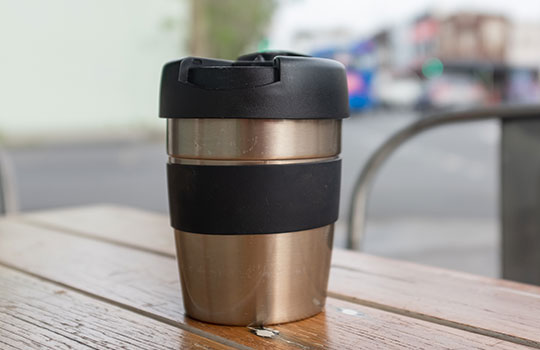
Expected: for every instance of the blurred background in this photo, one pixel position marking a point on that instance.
(79, 84)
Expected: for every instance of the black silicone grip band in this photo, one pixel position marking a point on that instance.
(253, 199)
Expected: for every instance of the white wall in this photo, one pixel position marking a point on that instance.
(85, 65)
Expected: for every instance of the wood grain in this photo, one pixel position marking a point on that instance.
(130, 227)
(499, 308)
(147, 283)
(36, 314)
(493, 307)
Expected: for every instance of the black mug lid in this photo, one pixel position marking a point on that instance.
(270, 85)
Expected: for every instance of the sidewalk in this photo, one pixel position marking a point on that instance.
(469, 245)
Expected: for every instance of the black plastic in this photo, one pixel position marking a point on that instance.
(275, 85)
(253, 199)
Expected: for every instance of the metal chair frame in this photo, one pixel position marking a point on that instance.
(364, 182)
(8, 198)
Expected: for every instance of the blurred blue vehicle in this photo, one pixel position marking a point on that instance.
(359, 60)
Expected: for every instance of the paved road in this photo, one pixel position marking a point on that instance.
(434, 202)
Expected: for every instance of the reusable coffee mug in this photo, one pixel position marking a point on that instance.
(254, 180)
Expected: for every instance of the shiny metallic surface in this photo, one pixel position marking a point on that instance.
(254, 279)
(190, 161)
(261, 278)
(253, 139)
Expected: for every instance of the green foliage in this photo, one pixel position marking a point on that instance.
(227, 28)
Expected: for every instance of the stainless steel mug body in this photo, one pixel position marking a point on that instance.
(250, 250)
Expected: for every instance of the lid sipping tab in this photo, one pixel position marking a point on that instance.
(223, 75)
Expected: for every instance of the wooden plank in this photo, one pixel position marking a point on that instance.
(148, 283)
(500, 308)
(37, 314)
(495, 307)
(115, 224)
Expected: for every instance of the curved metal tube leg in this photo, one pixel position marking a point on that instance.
(359, 202)
(8, 198)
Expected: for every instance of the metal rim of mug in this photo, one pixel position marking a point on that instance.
(253, 140)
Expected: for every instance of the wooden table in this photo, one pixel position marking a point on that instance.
(104, 277)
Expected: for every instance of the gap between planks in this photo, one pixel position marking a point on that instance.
(62, 229)
(354, 300)
(170, 322)
(436, 320)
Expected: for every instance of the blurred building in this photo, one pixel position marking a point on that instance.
(440, 60)
(523, 53)
(470, 49)
(523, 45)
(466, 37)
